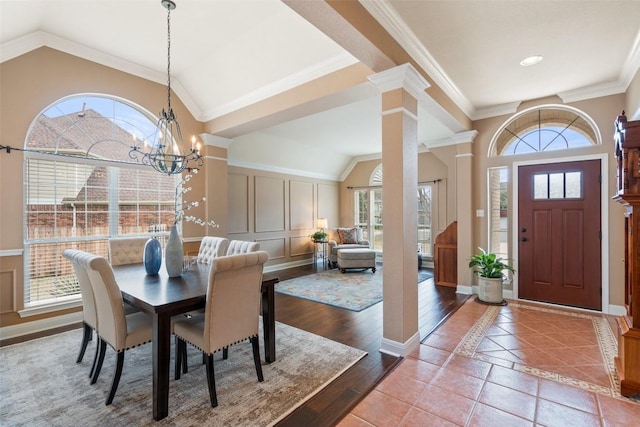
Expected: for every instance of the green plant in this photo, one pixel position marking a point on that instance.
(319, 235)
(487, 264)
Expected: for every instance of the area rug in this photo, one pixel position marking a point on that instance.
(41, 385)
(353, 290)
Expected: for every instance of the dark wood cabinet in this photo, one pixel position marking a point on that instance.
(445, 257)
(627, 150)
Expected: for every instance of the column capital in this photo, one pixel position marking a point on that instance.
(215, 140)
(403, 76)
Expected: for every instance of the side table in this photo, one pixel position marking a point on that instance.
(320, 252)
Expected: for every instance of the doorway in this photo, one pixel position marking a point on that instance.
(559, 233)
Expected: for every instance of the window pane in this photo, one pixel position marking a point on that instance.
(574, 185)
(498, 219)
(377, 219)
(424, 220)
(556, 185)
(540, 186)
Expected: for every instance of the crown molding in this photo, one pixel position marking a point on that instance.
(386, 15)
(593, 91)
(496, 110)
(310, 73)
(631, 64)
(458, 138)
(278, 169)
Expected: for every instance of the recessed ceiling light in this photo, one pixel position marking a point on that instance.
(532, 60)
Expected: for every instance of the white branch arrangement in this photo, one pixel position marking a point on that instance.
(180, 209)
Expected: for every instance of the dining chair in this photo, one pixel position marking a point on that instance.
(232, 311)
(242, 247)
(127, 250)
(89, 313)
(211, 247)
(121, 332)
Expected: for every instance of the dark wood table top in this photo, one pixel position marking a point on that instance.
(159, 293)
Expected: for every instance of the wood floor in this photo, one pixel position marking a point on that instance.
(362, 330)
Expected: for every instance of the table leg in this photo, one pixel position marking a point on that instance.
(269, 319)
(161, 357)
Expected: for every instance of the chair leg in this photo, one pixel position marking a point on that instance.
(95, 359)
(116, 378)
(178, 366)
(185, 365)
(103, 349)
(86, 337)
(204, 358)
(225, 353)
(211, 381)
(256, 358)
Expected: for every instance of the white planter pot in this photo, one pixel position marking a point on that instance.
(490, 290)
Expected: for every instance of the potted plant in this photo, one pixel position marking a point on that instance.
(489, 268)
(319, 236)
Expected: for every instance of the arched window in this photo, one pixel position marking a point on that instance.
(81, 188)
(544, 129)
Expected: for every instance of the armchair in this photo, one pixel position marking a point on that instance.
(344, 238)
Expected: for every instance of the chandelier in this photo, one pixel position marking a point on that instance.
(164, 152)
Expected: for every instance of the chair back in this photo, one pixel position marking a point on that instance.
(242, 247)
(89, 313)
(111, 316)
(212, 247)
(233, 299)
(127, 250)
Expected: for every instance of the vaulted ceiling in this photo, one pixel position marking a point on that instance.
(230, 55)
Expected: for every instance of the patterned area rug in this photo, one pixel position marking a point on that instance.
(354, 290)
(41, 385)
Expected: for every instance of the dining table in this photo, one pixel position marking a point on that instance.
(163, 297)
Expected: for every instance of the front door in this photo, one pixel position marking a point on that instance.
(559, 236)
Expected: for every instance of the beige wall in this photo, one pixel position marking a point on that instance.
(603, 111)
(279, 211)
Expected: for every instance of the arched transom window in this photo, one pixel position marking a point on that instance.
(544, 129)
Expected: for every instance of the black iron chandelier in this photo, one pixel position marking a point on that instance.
(164, 153)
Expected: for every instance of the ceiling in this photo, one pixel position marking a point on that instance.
(229, 54)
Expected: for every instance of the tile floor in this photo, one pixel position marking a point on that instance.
(521, 364)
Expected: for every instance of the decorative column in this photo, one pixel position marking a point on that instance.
(400, 87)
(464, 208)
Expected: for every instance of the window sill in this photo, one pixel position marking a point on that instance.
(70, 302)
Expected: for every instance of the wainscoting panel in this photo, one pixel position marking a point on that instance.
(300, 205)
(7, 287)
(270, 204)
(328, 196)
(275, 247)
(301, 245)
(238, 221)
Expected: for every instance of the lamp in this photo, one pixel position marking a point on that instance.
(165, 154)
(321, 223)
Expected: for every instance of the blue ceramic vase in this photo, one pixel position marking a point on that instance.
(152, 256)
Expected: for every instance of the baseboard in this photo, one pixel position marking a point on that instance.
(398, 349)
(464, 290)
(617, 310)
(286, 265)
(27, 328)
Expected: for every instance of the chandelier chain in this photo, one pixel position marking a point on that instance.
(169, 58)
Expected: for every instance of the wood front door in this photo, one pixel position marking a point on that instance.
(559, 233)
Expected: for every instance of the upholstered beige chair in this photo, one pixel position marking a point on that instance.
(89, 314)
(231, 316)
(127, 250)
(242, 247)
(116, 329)
(212, 247)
